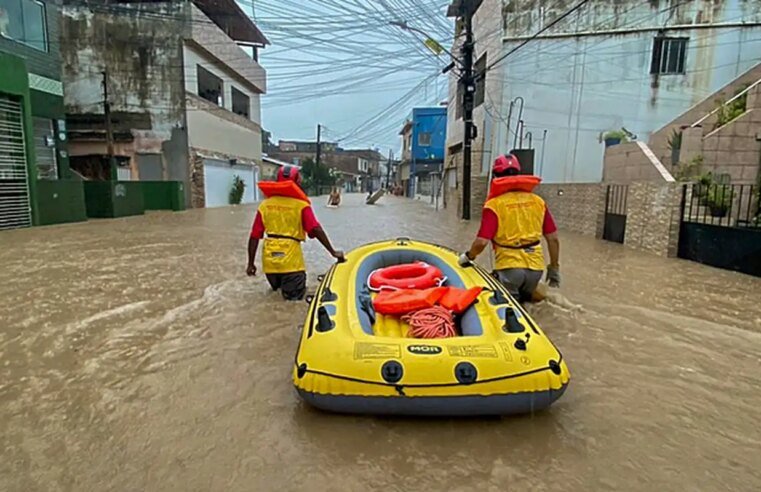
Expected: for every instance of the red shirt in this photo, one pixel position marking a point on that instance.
(490, 222)
(308, 222)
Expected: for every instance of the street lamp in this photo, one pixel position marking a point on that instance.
(429, 42)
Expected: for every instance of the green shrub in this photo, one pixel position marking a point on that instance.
(616, 134)
(236, 193)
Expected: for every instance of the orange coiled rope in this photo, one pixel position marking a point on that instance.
(435, 322)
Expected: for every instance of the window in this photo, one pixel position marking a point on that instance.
(480, 74)
(44, 149)
(241, 103)
(668, 56)
(210, 86)
(424, 139)
(24, 21)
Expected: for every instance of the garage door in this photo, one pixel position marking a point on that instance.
(218, 181)
(14, 188)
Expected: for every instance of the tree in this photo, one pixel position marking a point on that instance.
(316, 176)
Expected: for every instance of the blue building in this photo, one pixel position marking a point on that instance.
(423, 142)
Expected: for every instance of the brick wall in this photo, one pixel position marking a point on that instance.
(626, 163)
(652, 217)
(659, 140)
(576, 207)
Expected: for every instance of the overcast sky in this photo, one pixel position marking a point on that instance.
(340, 63)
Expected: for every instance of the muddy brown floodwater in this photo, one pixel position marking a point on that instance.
(136, 355)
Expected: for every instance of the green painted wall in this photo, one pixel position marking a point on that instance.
(113, 198)
(14, 81)
(60, 201)
(163, 195)
(51, 107)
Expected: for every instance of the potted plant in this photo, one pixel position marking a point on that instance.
(614, 137)
(718, 199)
(675, 144)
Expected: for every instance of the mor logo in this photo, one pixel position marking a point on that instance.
(424, 349)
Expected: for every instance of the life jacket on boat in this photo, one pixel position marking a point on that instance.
(403, 301)
(459, 300)
(417, 275)
(281, 215)
(518, 241)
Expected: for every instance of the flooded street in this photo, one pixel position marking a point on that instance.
(136, 355)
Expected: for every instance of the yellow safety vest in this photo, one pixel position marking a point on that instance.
(517, 243)
(282, 223)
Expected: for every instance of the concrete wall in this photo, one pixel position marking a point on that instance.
(659, 140)
(214, 129)
(194, 56)
(487, 26)
(735, 148)
(627, 163)
(652, 209)
(140, 45)
(205, 34)
(577, 207)
(591, 73)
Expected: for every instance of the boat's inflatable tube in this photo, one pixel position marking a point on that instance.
(512, 183)
(417, 275)
(353, 359)
(283, 188)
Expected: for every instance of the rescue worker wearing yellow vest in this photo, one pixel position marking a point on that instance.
(514, 222)
(286, 222)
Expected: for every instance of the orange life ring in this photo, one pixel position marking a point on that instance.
(418, 275)
(283, 188)
(504, 184)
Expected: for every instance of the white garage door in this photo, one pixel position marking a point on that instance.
(218, 181)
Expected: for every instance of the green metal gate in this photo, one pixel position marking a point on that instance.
(15, 210)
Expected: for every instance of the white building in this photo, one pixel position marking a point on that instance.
(184, 87)
(610, 65)
(613, 65)
(223, 86)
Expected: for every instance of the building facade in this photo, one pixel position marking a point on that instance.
(36, 185)
(184, 88)
(627, 66)
(423, 149)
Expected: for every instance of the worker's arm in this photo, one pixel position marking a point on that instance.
(553, 246)
(486, 232)
(477, 248)
(315, 230)
(550, 231)
(253, 244)
(257, 232)
(319, 234)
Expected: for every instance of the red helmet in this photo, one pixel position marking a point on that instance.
(289, 172)
(505, 162)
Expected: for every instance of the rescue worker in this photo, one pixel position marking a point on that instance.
(287, 222)
(514, 222)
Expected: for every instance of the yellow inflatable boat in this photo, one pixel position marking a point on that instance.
(352, 360)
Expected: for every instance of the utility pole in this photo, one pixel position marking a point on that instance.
(317, 156)
(465, 10)
(388, 168)
(109, 130)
